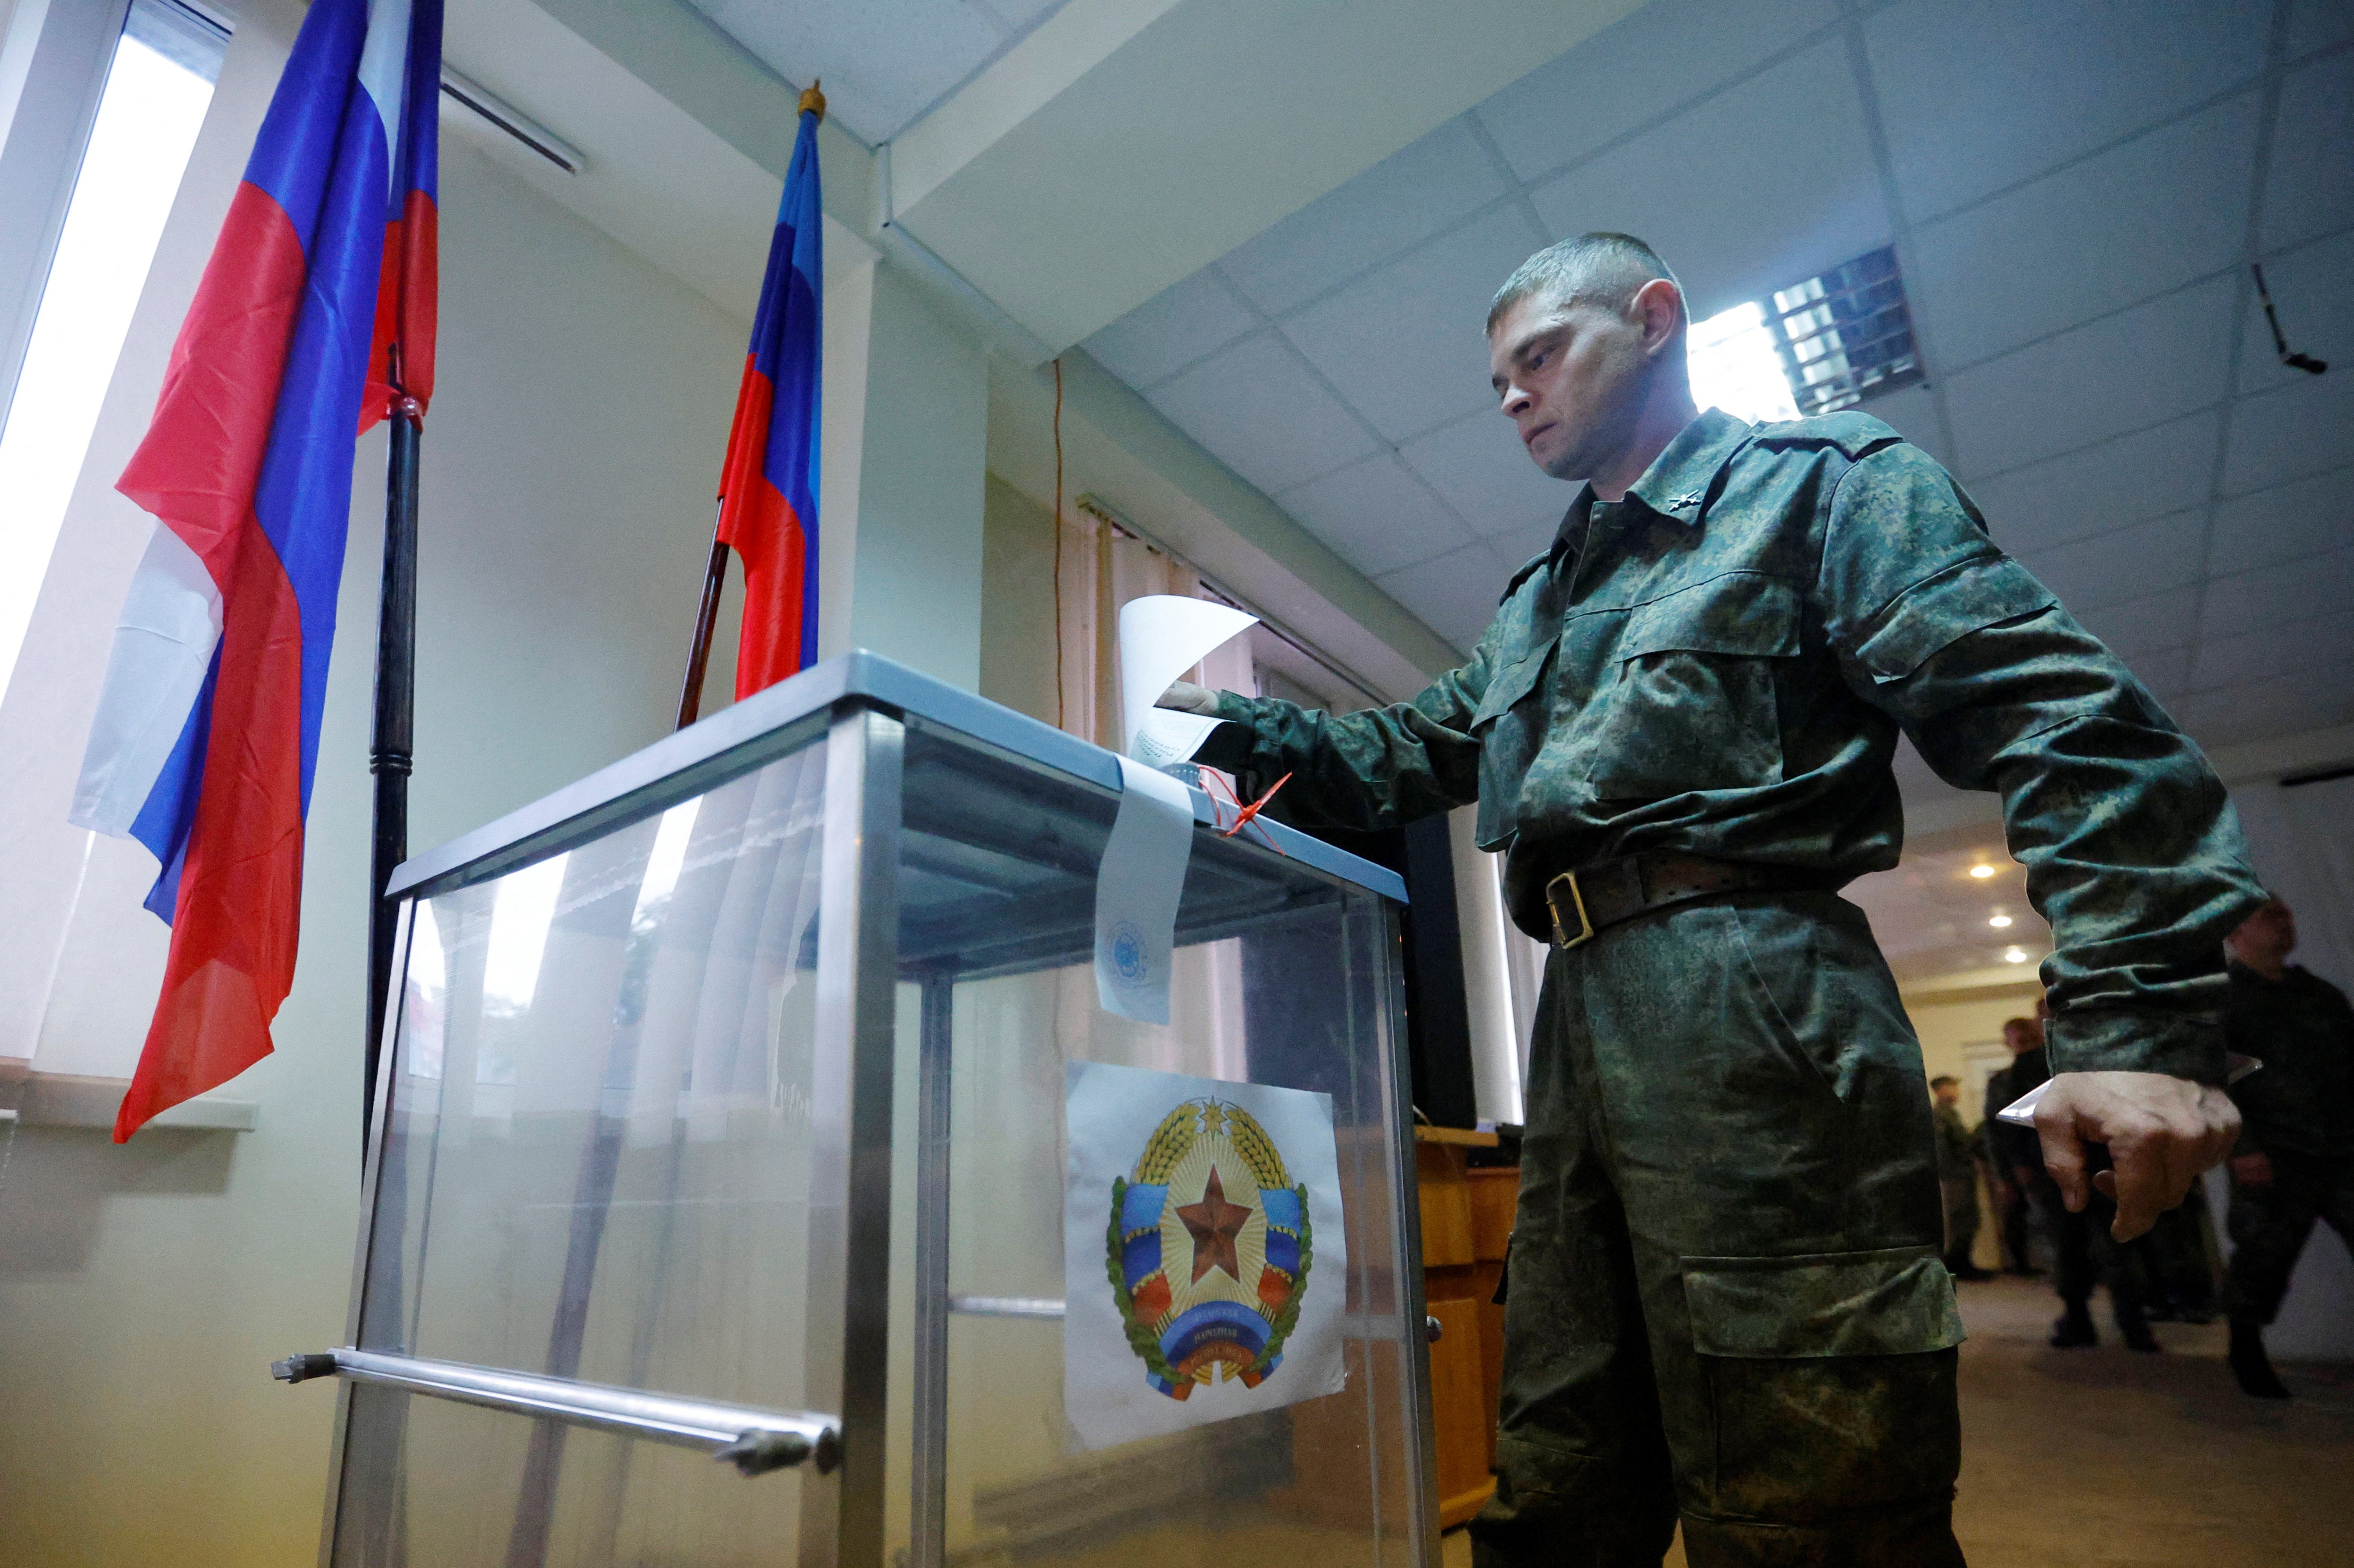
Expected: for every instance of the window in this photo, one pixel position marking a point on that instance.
(1815, 347)
(1846, 334)
(158, 83)
(1735, 368)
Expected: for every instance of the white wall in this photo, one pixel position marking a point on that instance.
(569, 463)
(924, 445)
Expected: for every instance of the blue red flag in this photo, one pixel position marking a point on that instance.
(318, 299)
(767, 488)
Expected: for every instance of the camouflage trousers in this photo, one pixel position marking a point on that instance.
(2270, 1223)
(1725, 1302)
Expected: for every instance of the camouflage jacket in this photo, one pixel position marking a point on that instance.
(1719, 665)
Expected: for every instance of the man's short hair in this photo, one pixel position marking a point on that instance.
(1942, 1080)
(1601, 268)
(2011, 1024)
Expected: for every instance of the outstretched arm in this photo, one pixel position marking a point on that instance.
(2131, 848)
(1362, 770)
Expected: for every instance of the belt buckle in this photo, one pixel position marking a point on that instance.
(1561, 938)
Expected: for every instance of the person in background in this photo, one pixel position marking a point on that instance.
(2294, 1159)
(2084, 1250)
(1956, 1178)
(2013, 1155)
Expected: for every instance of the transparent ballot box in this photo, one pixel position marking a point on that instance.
(756, 1178)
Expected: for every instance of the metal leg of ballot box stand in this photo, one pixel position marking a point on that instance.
(928, 1523)
(850, 1199)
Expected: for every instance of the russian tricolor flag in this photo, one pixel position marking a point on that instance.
(767, 488)
(319, 288)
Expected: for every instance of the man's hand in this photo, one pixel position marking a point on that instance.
(2253, 1170)
(1188, 698)
(2162, 1131)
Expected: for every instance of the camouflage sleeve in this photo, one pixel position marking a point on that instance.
(1377, 768)
(2132, 850)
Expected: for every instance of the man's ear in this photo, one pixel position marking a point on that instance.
(1659, 305)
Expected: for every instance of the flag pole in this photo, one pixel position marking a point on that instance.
(390, 753)
(714, 574)
(698, 654)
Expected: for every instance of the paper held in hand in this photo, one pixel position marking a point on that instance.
(2021, 1112)
(1161, 636)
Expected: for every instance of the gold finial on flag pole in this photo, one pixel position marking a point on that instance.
(812, 101)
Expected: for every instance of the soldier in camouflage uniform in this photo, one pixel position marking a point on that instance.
(1957, 1178)
(1726, 1299)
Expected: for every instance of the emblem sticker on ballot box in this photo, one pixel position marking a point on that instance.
(1204, 1256)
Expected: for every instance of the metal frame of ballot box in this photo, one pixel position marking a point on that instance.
(865, 713)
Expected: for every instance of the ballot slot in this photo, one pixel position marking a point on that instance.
(748, 1104)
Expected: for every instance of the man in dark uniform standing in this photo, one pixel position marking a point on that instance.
(1727, 1304)
(2014, 1153)
(2294, 1161)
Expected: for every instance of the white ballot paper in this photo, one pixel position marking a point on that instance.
(1137, 889)
(1161, 636)
(2021, 1112)
(1203, 1259)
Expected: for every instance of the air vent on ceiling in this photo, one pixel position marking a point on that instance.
(1846, 334)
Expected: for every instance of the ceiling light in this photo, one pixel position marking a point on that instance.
(1736, 366)
(1981, 872)
(1998, 921)
(2014, 955)
(1846, 334)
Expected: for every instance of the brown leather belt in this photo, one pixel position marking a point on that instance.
(1593, 899)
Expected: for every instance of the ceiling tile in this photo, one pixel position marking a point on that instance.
(2272, 597)
(1612, 83)
(883, 62)
(1185, 321)
(1020, 13)
(1912, 413)
(2302, 518)
(2259, 710)
(1378, 515)
(2159, 470)
(2306, 426)
(1479, 465)
(1767, 183)
(2162, 209)
(2137, 368)
(2317, 24)
(2313, 294)
(2144, 626)
(1978, 94)
(1404, 345)
(2165, 671)
(2320, 648)
(2129, 564)
(2311, 190)
(1263, 413)
(1428, 185)
(1455, 595)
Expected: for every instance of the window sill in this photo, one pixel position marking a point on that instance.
(69, 1099)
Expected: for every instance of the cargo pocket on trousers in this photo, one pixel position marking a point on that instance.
(1829, 1379)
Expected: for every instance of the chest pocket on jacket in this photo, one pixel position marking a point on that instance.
(1510, 725)
(1692, 703)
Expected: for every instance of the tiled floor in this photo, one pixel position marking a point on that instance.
(2103, 1458)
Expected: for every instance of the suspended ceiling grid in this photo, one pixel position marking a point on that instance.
(2073, 191)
